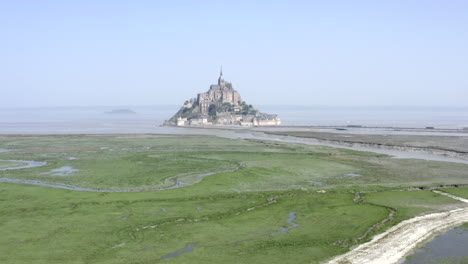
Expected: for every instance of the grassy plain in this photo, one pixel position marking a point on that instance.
(461, 192)
(229, 217)
(409, 204)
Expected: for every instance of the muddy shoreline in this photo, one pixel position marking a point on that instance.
(425, 150)
(397, 151)
(393, 245)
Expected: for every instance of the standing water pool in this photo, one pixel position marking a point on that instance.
(448, 248)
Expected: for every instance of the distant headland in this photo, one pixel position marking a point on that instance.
(221, 105)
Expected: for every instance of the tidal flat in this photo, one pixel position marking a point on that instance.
(453, 142)
(248, 191)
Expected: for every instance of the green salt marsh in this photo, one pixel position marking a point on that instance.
(227, 217)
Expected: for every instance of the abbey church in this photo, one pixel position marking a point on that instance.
(221, 93)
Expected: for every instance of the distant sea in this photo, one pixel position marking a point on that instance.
(147, 119)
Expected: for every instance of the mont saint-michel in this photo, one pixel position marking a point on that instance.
(221, 105)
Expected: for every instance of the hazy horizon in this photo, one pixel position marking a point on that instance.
(148, 118)
(318, 106)
(296, 53)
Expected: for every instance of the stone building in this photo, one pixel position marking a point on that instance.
(218, 94)
(221, 105)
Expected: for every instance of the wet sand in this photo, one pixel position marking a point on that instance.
(310, 141)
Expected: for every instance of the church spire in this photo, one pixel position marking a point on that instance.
(221, 79)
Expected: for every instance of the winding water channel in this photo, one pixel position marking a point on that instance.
(292, 217)
(29, 164)
(59, 185)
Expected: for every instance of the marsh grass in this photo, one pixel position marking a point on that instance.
(461, 192)
(228, 217)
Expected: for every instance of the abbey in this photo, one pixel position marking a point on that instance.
(221, 105)
(219, 94)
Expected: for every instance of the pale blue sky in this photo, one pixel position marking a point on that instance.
(80, 53)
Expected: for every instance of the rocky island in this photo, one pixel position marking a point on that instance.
(221, 105)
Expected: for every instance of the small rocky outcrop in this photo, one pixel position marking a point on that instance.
(121, 111)
(221, 105)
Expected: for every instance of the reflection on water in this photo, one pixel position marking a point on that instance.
(451, 247)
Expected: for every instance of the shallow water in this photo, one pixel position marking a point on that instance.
(29, 164)
(62, 171)
(451, 247)
(292, 217)
(352, 175)
(187, 249)
(56, 185)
